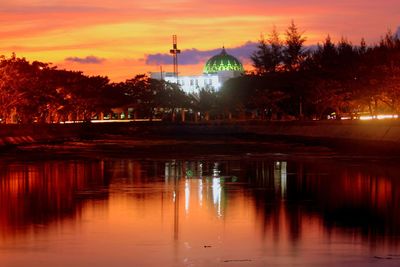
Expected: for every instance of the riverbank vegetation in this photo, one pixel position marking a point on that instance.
(331, 78)
(289, 81)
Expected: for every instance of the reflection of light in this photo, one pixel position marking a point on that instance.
(187, 196)
(201, 192)
(280, 177)
(215, 170)
(207, 189)
(216, 186)
(200, 170)
(166, 172)
(283, 178)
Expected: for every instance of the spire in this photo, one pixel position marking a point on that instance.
(223, 52)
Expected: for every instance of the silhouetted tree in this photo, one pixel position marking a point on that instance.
(293, 53)
(262, 57)
(268, 56)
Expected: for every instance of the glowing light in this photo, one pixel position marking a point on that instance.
(346, 118)
(107, 121)
(369, 117)
(379, 117)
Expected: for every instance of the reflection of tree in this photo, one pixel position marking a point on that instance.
(39, 193)
(364, 200)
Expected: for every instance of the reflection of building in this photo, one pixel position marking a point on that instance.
(280, 177)
(202, 184)
(217, 70)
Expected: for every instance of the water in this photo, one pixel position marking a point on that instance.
(228, 210)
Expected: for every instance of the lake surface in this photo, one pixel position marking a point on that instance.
(234, 209)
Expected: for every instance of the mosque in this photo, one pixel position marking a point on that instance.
(216, 71)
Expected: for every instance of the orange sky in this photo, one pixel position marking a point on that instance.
(119, 34)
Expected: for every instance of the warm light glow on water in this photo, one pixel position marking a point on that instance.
(262, 212)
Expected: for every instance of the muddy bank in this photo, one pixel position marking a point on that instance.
(19, 134)
(373, 134)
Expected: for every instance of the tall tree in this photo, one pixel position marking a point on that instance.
(328, 53)
(293, 53)
(268, 56)
(261, 58)
(276, 50)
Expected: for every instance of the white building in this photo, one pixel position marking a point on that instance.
(216, 71)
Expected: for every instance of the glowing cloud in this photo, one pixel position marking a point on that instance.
(86, 60)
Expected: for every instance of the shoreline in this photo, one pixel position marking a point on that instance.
(350, 135)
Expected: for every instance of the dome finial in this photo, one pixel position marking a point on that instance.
(223, 52)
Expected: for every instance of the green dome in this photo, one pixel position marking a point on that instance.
(222, 62)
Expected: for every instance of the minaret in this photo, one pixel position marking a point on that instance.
(175, 51)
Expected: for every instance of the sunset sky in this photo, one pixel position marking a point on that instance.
(122, 38)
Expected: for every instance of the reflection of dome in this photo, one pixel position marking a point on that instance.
(222, 62)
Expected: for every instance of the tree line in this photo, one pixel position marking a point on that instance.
(38, 92)
(294, 81)
(289, 81)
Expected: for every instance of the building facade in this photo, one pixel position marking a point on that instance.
(216, 71)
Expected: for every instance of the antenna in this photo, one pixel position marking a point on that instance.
(175, 51)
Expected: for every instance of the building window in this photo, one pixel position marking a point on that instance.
(191, 82)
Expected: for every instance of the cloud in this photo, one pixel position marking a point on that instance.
(194, 56)
(86, 60)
